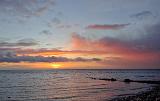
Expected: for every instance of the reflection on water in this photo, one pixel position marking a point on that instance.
(67, 85)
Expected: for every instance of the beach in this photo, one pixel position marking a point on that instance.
(150, 95)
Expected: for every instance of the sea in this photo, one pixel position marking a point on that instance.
(72, 85)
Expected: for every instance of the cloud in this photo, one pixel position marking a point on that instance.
(141, 52)
(54, 22)
(148, 42)
(107, 27)
(25, 8)
(104, 44)
(58, 23)
(64, 26)
(143, 15)
(27, 42)
(11, 57)
(151, 40)
(136, 63)
(46, 32)
(3, 39)
(22, 42)
(50, 52)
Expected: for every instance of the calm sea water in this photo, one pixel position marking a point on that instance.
(70, 85)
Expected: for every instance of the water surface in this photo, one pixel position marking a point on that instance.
(70, 85)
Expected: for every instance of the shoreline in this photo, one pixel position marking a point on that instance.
(149, 95)
(152, 94)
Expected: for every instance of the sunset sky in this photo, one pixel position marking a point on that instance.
(79, 34)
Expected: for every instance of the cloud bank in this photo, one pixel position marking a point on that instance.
(142, 52)
(11, 57)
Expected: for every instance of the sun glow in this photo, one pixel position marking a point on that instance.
(54, 65)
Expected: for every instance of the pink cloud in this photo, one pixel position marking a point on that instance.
(129, 54)
(107, 27)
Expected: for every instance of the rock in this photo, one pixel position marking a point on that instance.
(113, 79)
(127, 80)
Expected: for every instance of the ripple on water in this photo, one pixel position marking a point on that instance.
(66, 85)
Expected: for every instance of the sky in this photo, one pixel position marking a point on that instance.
(79, 34)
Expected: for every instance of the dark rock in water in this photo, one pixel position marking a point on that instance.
(93, 78)
(106, 79)
(141, 81)
(127, 80)
(113, 79)
(9, 97)
(149, 82)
